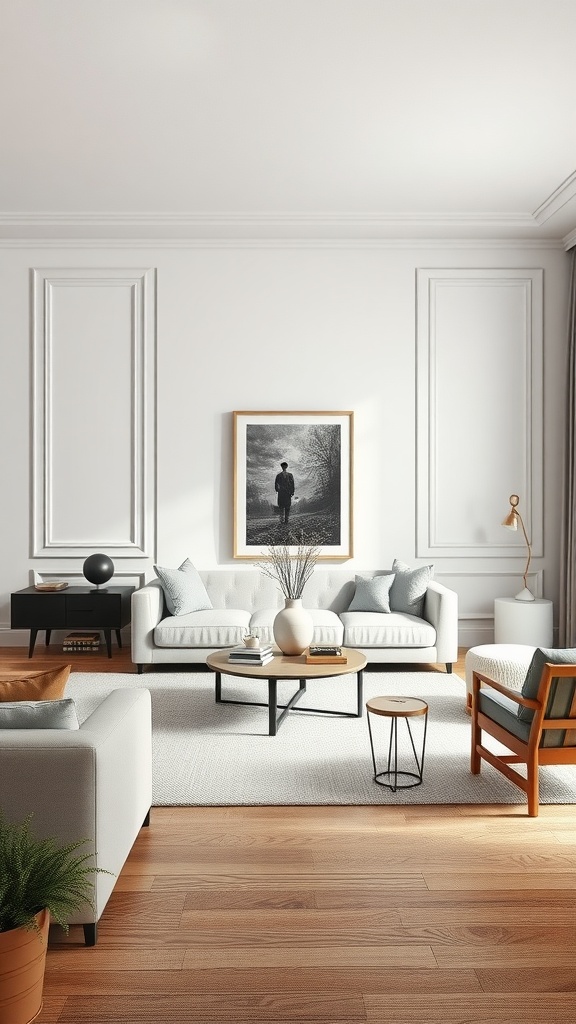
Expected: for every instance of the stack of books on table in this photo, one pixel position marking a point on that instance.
(242, 655)
(81, 642)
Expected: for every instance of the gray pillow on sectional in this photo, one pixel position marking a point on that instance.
(372, 595)
(183, 589)
(542, 655)
(39, 714)
(409, 587)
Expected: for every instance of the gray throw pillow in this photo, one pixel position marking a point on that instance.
(371, 595)
(39, 714)
(183, 589)
(542, 655)
(409, 587)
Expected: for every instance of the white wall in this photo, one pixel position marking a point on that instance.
(284, 326)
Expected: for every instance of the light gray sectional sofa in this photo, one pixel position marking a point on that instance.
(245, 600)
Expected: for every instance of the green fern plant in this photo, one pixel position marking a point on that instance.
(38, 874)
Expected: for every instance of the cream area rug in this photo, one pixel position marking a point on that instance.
(221, 754)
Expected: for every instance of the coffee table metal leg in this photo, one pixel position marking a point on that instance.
(360, 692)
(218, 688)
(272, 707)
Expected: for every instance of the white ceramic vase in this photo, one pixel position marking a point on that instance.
(293, 627)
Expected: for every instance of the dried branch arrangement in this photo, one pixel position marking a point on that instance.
(291, 570)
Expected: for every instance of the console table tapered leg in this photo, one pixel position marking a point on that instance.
(118, 638)
(33, 635)
(108, 637)
(48, 635)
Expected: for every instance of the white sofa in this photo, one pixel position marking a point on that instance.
(92, 783)
(246, 599)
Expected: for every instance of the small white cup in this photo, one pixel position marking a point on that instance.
(252, 641)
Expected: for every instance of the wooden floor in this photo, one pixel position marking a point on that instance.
(328, 914)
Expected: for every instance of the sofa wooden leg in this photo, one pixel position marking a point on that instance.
(146, 821)
(449, 666)
(90, 934)
(140, 669)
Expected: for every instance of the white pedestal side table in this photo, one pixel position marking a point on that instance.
(523, 622)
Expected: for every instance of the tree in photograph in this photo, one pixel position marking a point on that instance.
(321, 454)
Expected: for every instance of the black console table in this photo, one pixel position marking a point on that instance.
(74, 608)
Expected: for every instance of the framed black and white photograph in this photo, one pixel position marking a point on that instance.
(293, 482)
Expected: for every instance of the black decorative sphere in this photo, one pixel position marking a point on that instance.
(98, 569)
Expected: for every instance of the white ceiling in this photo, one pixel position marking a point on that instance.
(417, 118)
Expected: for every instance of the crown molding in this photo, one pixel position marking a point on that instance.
(565, 193)
(274, 225)
(59, 243)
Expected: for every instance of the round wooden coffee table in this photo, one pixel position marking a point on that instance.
(283, 667)
(395, 708)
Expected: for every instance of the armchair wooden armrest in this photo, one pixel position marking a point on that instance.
(479, 677)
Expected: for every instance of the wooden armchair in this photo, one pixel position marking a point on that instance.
(538, 724)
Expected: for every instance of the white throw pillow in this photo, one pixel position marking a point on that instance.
(372, 595)
(409, 587)
(183, 589)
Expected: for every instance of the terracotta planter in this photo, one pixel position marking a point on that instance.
(293, 627)
(22, 963)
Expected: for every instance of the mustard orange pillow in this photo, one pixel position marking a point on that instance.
(47, 685)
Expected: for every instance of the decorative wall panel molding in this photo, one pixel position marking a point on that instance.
(482, 440)
(93, 412)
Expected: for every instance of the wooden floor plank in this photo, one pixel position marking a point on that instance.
(81, 980)
(528, 1008)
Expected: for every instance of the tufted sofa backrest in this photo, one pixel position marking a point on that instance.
(236, 588)
(250, 590)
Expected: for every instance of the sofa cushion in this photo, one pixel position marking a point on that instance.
(211, 627)
(39, 714)
(372, 595)
(409, 587)
(183, 589)
(47, 685)
(378, 629)
(328, 628)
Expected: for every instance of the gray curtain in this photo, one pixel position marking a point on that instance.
(567, 612)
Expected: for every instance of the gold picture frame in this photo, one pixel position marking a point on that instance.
(315, 506)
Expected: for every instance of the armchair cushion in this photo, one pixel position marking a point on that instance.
(47, 685)
(409, 588)
(504, 711)
(558, 704)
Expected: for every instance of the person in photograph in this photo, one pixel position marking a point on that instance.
(284, 487)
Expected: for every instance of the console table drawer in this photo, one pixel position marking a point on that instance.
(45, 611)
(91, 613)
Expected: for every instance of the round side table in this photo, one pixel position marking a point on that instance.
(523, 622)
(395, 708)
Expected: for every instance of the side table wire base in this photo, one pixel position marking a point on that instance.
(395, 708)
